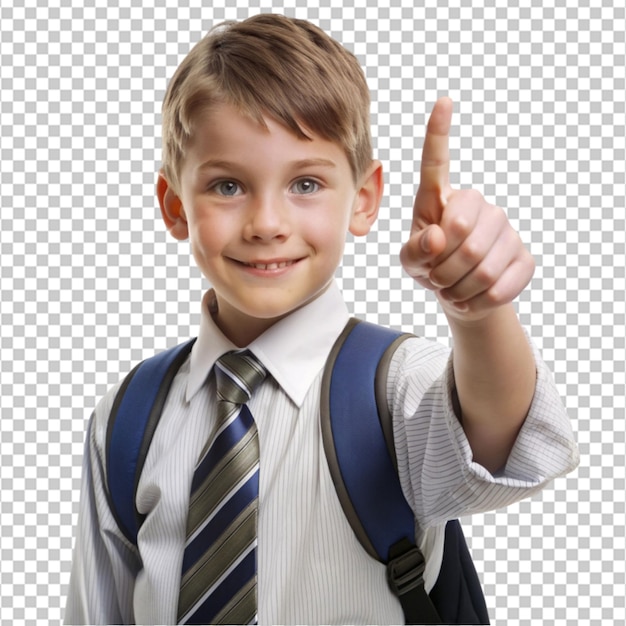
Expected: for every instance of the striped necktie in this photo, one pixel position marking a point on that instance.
(218, 583)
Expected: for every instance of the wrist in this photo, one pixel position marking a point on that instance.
(492, 322)
(465, 317)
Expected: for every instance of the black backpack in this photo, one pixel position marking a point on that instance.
(362, 463)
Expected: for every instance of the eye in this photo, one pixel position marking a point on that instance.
(227, 188)
(305, 186)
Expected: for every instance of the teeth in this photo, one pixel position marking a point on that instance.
(269, 266)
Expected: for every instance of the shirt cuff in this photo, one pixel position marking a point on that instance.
(545, 447)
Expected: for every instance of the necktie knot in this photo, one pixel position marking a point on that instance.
(237, 374)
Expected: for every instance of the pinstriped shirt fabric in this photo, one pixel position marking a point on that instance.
(311, 568)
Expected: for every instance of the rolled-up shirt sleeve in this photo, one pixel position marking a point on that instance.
(435, 462)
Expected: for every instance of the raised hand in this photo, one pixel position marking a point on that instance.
(460, 246)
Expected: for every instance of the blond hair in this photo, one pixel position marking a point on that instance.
(274, 66)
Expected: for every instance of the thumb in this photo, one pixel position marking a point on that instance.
(423, 246)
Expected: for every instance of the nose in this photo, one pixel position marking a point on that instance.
(268, 219)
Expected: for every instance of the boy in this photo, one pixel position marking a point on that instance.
(267, 163)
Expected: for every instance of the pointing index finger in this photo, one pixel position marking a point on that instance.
(435, 169)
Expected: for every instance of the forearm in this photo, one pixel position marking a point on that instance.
(494, 371)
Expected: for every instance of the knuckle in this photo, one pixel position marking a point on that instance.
(496, 212)
(486, 275)
(471, 197)
(475, 196)
(495, 297)
(471, 251)
(461, 226)
(433, 160)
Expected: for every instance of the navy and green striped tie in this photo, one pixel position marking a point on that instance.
(219, 572)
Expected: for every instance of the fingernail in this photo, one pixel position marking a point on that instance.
(426, 242)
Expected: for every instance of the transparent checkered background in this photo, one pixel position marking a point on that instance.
(91, 283)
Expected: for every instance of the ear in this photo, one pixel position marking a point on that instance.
(367, 202)
(171, 209)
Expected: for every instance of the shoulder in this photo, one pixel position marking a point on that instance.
(418, 357)
(413, 369)
(163, 371)
(100, 416)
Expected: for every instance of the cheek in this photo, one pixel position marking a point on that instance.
(208, 236)
(328, 226)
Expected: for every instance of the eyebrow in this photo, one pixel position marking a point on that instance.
(301, 164)
(304, 163)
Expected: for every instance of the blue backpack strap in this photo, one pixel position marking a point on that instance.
(358, 441)
(357, 431)
(352, 431)
(134, 417)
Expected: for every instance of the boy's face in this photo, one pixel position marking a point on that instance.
(266, 214)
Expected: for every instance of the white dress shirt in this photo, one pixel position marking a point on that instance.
(311, 568)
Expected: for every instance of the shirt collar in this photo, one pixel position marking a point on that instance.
(293, 350)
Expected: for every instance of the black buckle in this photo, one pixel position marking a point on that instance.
(405, 572)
